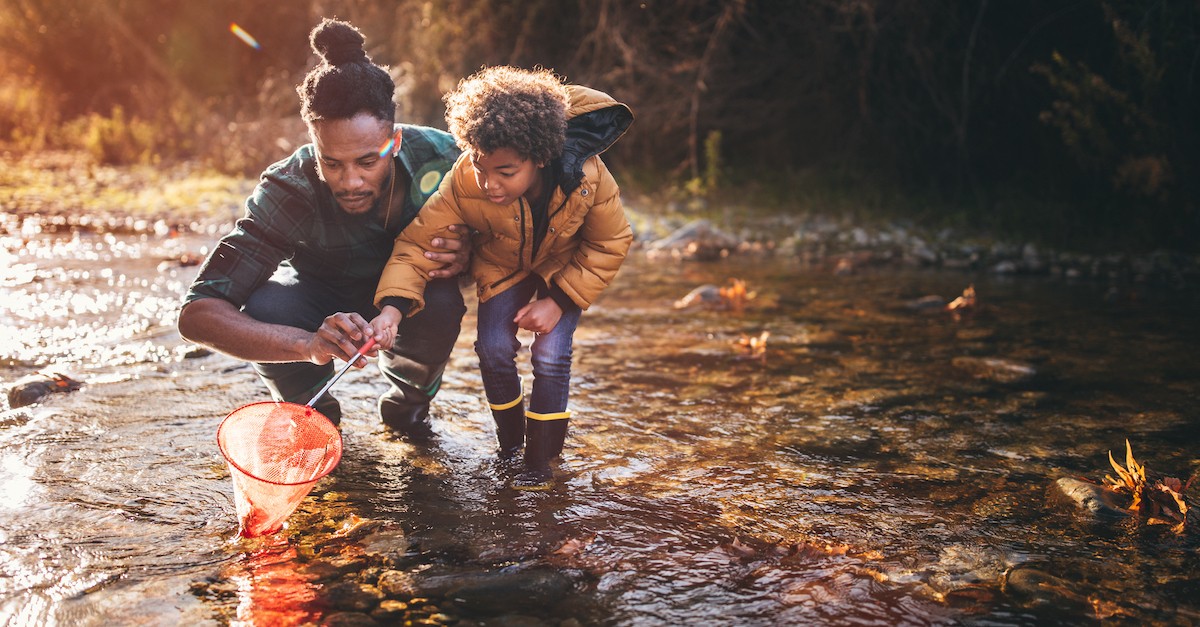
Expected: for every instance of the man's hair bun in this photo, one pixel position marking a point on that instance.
(338, 43)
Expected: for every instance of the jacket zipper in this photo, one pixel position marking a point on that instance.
(520, 248)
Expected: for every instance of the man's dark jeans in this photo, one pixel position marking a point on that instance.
(413, 369)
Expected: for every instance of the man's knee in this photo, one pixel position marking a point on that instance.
(278, 304)
(444, 302)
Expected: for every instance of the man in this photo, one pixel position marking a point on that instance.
(291, 287)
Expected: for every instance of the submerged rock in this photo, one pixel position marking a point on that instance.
(703, 297)
(348, 619)
(995, 369)
(698, 240)
(1089, 498)
(489, 592)
(35, 387)
(1035, 587)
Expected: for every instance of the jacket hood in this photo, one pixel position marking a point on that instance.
(595, 121)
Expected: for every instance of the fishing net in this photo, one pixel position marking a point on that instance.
(276, 453)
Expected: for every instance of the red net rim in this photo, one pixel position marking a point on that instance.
(306, 408)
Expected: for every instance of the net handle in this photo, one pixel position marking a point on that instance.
(365, 347)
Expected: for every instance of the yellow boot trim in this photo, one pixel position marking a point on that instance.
(504, 406)
(561, 415)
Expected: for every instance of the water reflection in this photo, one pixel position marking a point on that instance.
(873, 463)
(270, 591)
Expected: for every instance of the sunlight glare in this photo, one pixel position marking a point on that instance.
(244, 36)
(17, 482)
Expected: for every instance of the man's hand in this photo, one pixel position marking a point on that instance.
(458, 254)
(540, 316)
(339, 336)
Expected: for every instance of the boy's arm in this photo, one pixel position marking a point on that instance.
(384, 326)
(605, 238)
(409, 269)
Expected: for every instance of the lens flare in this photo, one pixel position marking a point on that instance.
(391, 144)
(244, 36)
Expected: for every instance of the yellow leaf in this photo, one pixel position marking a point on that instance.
(1121, 472)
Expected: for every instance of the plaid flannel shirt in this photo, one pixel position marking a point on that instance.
(292, 219)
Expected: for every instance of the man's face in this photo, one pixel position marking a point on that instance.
(504, 175)
(348, 159)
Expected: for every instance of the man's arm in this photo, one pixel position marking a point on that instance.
(219, 325)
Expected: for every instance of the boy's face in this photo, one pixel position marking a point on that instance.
(349, 162)
(506, 176)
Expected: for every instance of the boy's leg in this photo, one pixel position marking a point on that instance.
(418, 358)
(548, 417)
(497, 345)
(288, 301)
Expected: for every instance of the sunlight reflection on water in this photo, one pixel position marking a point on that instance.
(858, 471)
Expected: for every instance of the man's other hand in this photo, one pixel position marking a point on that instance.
(457, 256)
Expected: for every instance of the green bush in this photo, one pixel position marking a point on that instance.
(27, 115)
(113, 140)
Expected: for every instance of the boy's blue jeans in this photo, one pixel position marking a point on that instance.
(497, 346)
(414, 366)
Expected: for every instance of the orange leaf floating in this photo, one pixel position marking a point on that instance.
(1160, 501)
(757, 345)
(735, 296)
(964, 302)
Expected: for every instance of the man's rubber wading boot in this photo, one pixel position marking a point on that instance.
(409, 421)
(543, 440)
(510, 427)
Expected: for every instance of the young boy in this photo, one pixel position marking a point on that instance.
(550, 236)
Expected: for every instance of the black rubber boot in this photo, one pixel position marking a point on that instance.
(543, 441)
(408, 420)
(510, 429)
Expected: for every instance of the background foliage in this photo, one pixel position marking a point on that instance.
(1074, 121)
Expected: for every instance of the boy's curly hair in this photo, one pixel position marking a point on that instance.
(507, 107)
(346, 82)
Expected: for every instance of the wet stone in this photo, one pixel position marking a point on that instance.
(498, 592)
(1088, 498)
(389, 548)
(348, 619)
(995, 369)
(354, 597)
(328, 569)
(33, 388)
(1036, 587)
(522, 620)
(395, 583)
(390, 610)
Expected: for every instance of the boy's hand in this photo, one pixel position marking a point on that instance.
(384, 326)
(540, 316)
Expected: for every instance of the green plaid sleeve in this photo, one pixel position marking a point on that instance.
(245, 258)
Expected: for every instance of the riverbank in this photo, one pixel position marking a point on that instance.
(66, 190)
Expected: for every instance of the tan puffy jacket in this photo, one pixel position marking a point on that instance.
(586, 239)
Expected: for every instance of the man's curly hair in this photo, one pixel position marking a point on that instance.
(507, 107)
(346, 82)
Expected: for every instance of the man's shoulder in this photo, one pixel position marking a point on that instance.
(428, 154)
(297, 168)
(283, 182)
(423, 141)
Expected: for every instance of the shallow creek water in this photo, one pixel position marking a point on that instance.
(876, 465)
